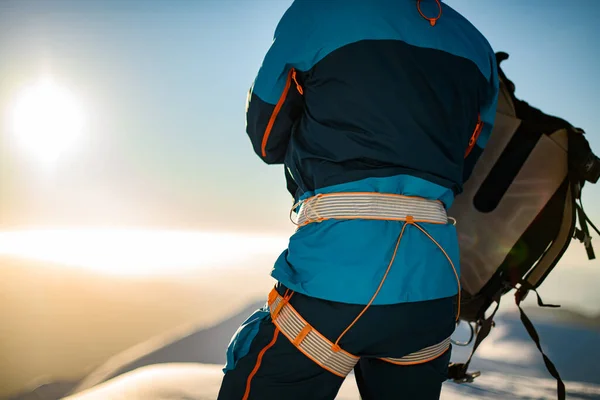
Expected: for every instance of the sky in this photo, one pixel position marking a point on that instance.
(163, 85)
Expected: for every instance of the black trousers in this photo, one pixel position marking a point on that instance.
(265, 365)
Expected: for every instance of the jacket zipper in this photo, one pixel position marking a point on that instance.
(291, 76)
(475, 135)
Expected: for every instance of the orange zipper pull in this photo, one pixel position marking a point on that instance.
(300, 90)
(432, 21)
(475, 135)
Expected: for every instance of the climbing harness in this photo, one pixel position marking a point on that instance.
(323, 351)
(346, 206)
(374, 206)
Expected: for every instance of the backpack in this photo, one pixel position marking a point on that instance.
(518, 213)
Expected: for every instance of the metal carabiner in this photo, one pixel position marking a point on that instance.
(468, 342)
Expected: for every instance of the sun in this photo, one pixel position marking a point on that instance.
(47, 120)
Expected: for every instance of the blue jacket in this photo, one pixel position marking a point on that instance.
(368, 95)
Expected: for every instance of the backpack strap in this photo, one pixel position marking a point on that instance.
(583, 234)
(519, 296)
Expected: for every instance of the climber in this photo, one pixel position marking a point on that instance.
(377, 110)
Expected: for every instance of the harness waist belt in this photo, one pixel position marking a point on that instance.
(368, 205)
(323, 351)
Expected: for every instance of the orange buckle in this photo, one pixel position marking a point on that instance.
(303, 333)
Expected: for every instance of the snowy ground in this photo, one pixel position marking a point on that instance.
(201, 382)
(186, 365)
(510, 364)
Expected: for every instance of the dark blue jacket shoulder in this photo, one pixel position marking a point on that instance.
(352, 89)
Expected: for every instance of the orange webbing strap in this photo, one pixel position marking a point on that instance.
(422, 356)
(307, 339)
(358, 206)
(368, 205)
(324, 352)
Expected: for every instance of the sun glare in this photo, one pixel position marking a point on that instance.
(138, 252)
(47, 121)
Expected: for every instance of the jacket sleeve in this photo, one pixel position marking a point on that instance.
(275, 102)
(487, 117)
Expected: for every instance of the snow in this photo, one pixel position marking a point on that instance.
(186, 364)
(192, 381)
